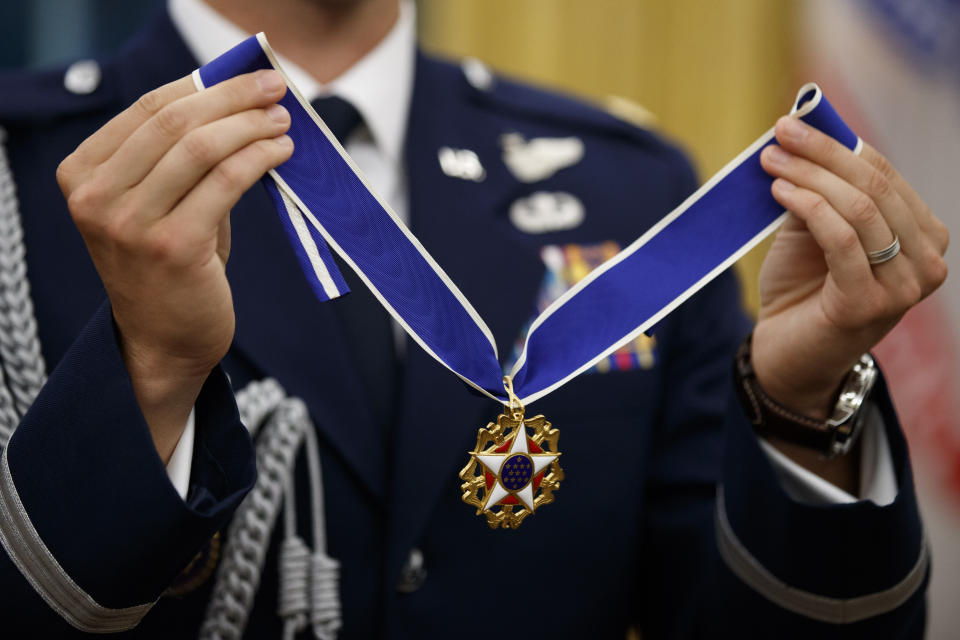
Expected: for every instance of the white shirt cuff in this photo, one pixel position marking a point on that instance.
(178, 469)
(878, 480)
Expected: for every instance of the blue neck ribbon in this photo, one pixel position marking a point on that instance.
(325, 203)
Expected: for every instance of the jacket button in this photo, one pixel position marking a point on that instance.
(82, 77)
(413, 573)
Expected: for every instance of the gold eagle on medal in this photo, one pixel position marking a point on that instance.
(514, 468)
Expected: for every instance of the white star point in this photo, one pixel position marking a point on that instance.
(492, 462)
(542, 460)
(497, 493)
(526, 495)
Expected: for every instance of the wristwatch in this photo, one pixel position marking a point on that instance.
(831, 437)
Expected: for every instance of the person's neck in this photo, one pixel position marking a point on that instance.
(324, 37)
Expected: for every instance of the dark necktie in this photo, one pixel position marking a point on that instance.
(365, 325)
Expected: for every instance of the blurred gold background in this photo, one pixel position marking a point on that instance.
(713, 75)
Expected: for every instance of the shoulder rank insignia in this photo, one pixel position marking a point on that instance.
(514, 469)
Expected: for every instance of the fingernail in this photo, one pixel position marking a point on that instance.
(776, 156)
(783, 185)
(284, 141)
(270, 81)
(794, 129)
(277, 113)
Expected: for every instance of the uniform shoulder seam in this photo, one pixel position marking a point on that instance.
(37, 95)
(541, 102)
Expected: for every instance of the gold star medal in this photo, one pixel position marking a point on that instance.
(515, 468)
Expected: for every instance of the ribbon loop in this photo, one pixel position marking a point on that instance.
(325, 204)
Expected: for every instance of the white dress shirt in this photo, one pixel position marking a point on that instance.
(379, 86)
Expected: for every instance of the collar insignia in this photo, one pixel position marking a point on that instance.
(461, 163)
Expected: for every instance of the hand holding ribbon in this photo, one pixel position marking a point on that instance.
(151, 193)
(822, 301)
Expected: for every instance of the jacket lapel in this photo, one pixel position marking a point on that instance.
(463, 225)
(292, 336)
(281, 327)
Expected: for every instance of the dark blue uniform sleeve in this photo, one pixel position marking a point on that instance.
(92, 527)
(727, 552)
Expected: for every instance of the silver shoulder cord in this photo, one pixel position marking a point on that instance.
(309, 591)
(23, 372)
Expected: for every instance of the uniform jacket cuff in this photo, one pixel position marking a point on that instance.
(91, 517)
(835, 563)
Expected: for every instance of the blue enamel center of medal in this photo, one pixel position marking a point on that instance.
(516, 472)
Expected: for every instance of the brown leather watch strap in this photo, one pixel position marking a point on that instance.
(769, 417)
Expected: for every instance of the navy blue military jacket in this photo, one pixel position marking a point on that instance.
(670, 517)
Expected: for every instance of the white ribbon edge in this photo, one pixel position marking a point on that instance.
(313, 253)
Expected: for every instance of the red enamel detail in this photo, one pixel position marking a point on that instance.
(624, 361)
(505, 447)
(538, 479)
(511, 499)
(534, 447)
(488, 477)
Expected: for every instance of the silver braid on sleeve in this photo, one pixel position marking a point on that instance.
(24, 371)
(309, 592)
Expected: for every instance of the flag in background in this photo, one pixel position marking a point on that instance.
(889, 66)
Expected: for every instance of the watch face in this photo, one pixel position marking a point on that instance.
(847, 420)
(855, 388)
